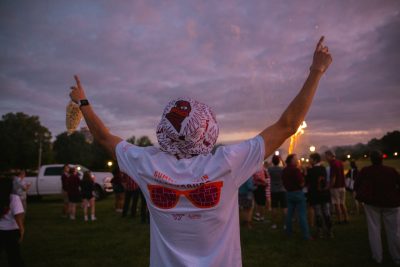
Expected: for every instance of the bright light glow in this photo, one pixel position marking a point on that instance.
(78, 168)
(395, 154)
(302, 159)
(385, 156)
(277, 153)
(312, 148)
(307, 160)
(348, 156)
(365, 156)
(294, 137)
(109, 164)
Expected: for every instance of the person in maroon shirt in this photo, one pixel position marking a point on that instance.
(74, 194)
(64, 177)
(293, 181)
(338, 187)
(378, 187)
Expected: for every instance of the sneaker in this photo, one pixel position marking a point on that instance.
(93, 218)
(256, 218)
(86, 218)
(274, 226)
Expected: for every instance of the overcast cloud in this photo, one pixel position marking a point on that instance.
(246, 59)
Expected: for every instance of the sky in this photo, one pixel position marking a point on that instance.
(245, 59)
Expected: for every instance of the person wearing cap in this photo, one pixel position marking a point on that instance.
(378, 187)
(192, 194)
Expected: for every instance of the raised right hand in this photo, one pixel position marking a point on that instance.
(322, 58)
(77, 92)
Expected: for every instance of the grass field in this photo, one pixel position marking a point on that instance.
(114, 241)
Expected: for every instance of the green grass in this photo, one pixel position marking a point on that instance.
(115, 241)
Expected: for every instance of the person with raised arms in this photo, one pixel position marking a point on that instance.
(192, 194)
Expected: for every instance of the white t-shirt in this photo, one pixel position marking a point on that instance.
(201, 228)
(7, 222)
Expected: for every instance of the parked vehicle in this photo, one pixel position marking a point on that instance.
(48, 180)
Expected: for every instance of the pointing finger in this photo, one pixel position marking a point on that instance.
(78, 82)
(319, 44)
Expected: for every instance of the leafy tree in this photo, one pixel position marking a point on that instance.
(21, 137)
(100, 157)
(73, 149)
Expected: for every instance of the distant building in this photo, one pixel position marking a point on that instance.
(88, 136)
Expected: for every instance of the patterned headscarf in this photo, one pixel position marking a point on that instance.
(187, 128)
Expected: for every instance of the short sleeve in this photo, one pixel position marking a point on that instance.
(244, 158)
(16, 205)
(127, 156)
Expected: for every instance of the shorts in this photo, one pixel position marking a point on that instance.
(74, 198)
(245, 202)
(65, 197)
(118, 188)
(279, 200)
(260, 195)
(87, 195)
(338, 196)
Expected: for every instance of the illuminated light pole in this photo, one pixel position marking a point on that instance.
(395, 154)
(302, 159)
(312, 149)
(348, 156)
(109, 163)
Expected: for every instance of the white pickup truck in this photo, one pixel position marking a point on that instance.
(48, 181)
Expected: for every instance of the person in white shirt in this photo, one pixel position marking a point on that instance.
(192, 195)
(11, 223)
(20, 188)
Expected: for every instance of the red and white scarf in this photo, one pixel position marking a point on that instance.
(187, 128)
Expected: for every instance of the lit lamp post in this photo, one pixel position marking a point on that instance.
(348, 156)
(395, 154)
(109, 164)
(312, 149)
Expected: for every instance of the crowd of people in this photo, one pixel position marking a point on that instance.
(76, 190)
(314, 192)
(127, 195)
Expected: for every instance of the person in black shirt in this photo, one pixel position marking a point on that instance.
(87, 192)
(319, 195)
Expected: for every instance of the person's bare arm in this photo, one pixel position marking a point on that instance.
(19, 219)
(97, 128)
(295, 113)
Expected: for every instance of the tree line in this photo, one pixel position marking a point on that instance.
(389, 144)
(26, 143)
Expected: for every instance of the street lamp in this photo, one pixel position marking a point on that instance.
(348, 156)
(395, 154)
(277, 153)
(312, 149)
(109, 163)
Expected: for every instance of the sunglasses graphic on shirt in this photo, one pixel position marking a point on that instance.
(205, 196)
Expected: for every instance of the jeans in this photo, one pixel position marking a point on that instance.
(134, 195)
(297, 201)
(323, 215)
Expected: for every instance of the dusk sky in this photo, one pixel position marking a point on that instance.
(246, 59)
